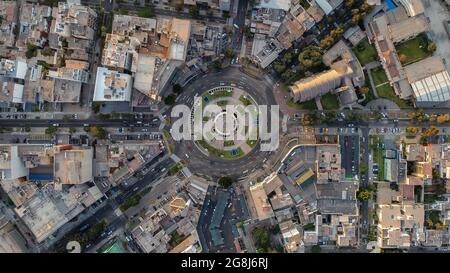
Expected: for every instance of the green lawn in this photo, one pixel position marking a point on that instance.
(365, 52)
(220, 153)
(307, 105)
(386, 91)
(329, 101)
(227, 143)
(244, 100)
(379, 76)
(378, 155)
(252, 143)
(414, 49)
(217, 94)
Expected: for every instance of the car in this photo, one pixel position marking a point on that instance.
(86, 125)
(135, 189)
(378, 130)
(55, 124)
(155, 120)
(163, 169)
(187, 156)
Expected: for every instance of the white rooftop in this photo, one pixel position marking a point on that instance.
(112, 86)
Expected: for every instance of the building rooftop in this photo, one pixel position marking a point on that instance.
(262, 205)
(112, 86)
(337, 198)
(275, 4)
(73, 166)
(409, 27)
(120, 52)
(143, 79)
(429, 80)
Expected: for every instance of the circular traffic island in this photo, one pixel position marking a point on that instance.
(229, 119)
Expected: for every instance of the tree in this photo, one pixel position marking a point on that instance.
(247, 32)
(444, 118)
(275, 230)
(193, 11)
(31, 51)
(225, 181)
(66, 118)
(417, 117)
(363, 195)
(364, 90)
(279, 67)
(170, 99)
(262, 239)
(431, 131)
(431, 47)
(412, 130)
(423, 141)
(308, 120)
(177, 89)
(72, 130)
(372, 188)
(27, 129)
(311, 57)
(98, 132)
(51, 130)
(47, 51)
(362, 168)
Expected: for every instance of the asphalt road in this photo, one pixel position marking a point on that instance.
(131, 122)
(259, 90)
(239, 20)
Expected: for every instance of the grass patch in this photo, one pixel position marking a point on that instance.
(365, 52)
(309, 227)
(176, 239)
(386, 91)
(306, 105)
(220, 153)
(218, 94)
(175, 169)
(251, 143)
(244, 100)
(413, 50)
(379, 76)
(227, 143)
(378, 155)
(329, 101)
(130, 202)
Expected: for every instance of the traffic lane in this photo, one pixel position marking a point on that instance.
(350, 154)
(72, 123)
(145, 181)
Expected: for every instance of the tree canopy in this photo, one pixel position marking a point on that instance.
(311, 57)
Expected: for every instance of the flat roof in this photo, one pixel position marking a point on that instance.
(111, 85)
(144, 74)
(275, 4)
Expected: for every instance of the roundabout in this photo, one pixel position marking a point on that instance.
(220, 154)
(229, 136)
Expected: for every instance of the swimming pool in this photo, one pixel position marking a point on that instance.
(390, 4)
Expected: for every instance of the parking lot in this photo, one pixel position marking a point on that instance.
(350, 154)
